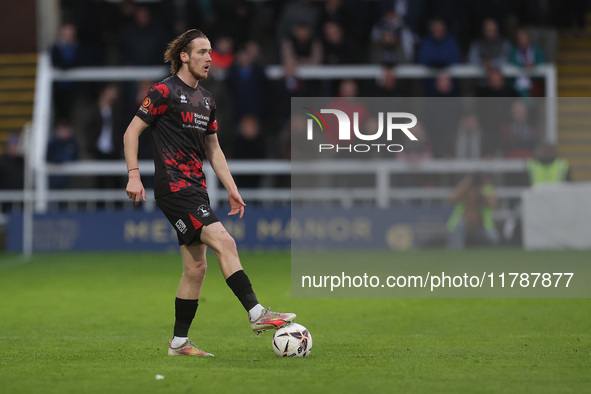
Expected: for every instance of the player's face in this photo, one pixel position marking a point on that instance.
(199, 58)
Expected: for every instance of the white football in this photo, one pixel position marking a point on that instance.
(292, 340)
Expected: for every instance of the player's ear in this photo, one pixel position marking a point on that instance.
(184, 57)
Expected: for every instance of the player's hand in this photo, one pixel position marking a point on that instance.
(135, 190)
(236, 204)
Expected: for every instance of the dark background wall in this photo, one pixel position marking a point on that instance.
(18, 31)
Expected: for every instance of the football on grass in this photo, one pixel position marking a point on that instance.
(293, 340)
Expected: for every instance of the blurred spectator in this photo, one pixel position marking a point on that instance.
(442, 86)
(519, 136)
(438, 49)
(542, 19)
(442, 118)
(249, 144)
(294, 85)
(393, 42)
(283, 89)
(415, 151)
(253, 50)
(352, 25)
(411, 11)
(525, 54)
(348, 102)
(471, 221)
(388, 85)
(293, 140)
(247, 82)
(474, 13)
(62, 148)
(492, 112)
(301, 47)
(105, 132)
(336, 49)
(142, 42)
(222, 54)
(495, 85)
(469, 138)
(66, 53)
(491, 50)
(297, 12)
(547, 167)
(103, 126)
(12, 165)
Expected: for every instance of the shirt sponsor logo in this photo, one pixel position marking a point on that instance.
(194, 120)
(146, 105)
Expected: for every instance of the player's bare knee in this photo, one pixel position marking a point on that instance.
(194, 274)
(229, 246)
(196, 269)
(224, 244)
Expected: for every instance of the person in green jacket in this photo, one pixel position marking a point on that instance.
(547, 167)
(471, 219)
(525, 54)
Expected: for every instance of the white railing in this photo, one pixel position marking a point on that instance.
(46, 75)
(382, 194)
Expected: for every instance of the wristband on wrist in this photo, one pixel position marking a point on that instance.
(131, 169)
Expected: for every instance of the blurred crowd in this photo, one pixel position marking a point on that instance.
(246, 36)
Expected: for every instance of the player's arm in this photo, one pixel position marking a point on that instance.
(134, 189)
(217, 159)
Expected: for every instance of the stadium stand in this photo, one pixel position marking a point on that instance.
(574, 80)
(257, 23)
(17, 85)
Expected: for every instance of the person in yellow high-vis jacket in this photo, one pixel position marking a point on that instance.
(471, 218)
(547, 167)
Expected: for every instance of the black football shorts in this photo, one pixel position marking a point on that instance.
(187, 213)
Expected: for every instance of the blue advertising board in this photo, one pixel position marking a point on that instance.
(397, 228)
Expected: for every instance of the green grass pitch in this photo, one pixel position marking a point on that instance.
(77, 323)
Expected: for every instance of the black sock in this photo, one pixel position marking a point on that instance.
(184, 315)
(240, 285)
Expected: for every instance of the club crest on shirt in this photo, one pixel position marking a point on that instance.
(207, 103)
(203, 211)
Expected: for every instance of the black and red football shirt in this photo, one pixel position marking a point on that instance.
(180, 118)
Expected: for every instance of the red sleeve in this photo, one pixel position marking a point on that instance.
(212, 126)
(155, 103)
